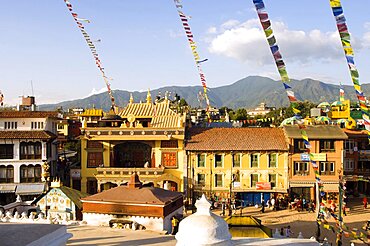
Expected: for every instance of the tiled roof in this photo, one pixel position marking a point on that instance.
(26, 134)
(141, 110)
(316, 132)
(145, 195)
(28, 114)
(161, 115)
(227, 139)
(355, 133)
(92, 112)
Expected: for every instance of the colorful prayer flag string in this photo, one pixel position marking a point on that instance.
(198, 61)
(92, 49)
(345, 38)
(1, 99)
(274, 48)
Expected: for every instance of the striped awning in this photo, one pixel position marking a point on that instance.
(30, 189)
(7, 188)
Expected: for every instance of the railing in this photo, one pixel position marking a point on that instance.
(114, 171)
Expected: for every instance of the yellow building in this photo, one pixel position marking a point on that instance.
(144, 137)
(251, 164)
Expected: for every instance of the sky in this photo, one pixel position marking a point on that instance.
(143, 45)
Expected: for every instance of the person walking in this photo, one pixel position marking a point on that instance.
(364, 201)
(288, 232)
(273, 204)
(223, 207)
(175, 224)
(263, 206)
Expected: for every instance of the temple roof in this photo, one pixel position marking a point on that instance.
(92, 112)
(144, 195)
(26, 134)
(237, 139)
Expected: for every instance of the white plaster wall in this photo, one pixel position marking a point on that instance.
(150, 223)
(96, 219)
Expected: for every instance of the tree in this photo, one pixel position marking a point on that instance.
(240, 114)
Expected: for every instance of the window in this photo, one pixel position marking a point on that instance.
(6, 151)
(169, 159)
(254, 160)
(272, 180)
(94, 159)
(254, 180)
(10, 125)
(169, 144)
(218, 160)
(236, 160)
(327, 168)
(236, 177)
(30, 174)
(327, 146)
(201, 179)
(201, 160)
(349, 144)
(301, 168)
(272, 160)
(299, 146)
(37, 125)
(30, 150)
(218, 180)
(92, 186)
(348, 165)
(6, 174)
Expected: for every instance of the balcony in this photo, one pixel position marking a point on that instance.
(114, 172)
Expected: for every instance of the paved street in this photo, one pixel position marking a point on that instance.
(299, 221)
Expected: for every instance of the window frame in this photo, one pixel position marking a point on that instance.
(199, 180)
(91, 159)
(167, 157)
(217, 180)
(326, 145)
(302, 170)
(257, 161)
(199, 160)
(8, 151)
(273, 184)
(269, 160)
(252, 179)
(8, 174)
(240, 160)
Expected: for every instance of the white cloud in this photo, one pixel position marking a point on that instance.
(247, 42)
(94, 91)
(212, 30)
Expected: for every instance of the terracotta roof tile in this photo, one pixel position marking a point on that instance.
(28, 114)
(226, 139)
(5, 134)
(316, 132)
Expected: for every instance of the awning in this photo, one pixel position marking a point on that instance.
(7, 188)
(301, 185)
(331, 187)
(30, 189)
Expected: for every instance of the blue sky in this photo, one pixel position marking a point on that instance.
(143, 44)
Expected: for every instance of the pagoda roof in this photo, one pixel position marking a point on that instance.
(92, 112)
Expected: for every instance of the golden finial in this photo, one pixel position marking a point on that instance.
(148, 97)
(131, 98)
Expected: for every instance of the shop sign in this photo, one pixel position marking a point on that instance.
(263, 186)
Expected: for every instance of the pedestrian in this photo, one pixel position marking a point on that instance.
(263, 206)
(364, 201)
(344, 209)
(273, 203)
(175, 224)
(223, 208)
(282, 231)
(310, 206)
(288, 232)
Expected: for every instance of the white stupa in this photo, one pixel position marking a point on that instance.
(203, 228)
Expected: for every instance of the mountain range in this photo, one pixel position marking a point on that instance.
(247, 93)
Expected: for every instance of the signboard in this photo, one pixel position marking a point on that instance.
(318, 156)
(314, 157)
(305, 157)
(263, 186)
(75, 173)
(236, 184)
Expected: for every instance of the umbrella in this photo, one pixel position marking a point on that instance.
(289, 121)
(340, 121)
(337, 103)
(323, 119)
(323, 105)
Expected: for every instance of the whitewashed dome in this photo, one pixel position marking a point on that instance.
(203, 227)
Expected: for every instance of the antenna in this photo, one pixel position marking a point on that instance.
(33, 94)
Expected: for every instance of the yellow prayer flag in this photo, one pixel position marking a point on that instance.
(357, 87)
(296, 111)
(335, 3)
(348, 51)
